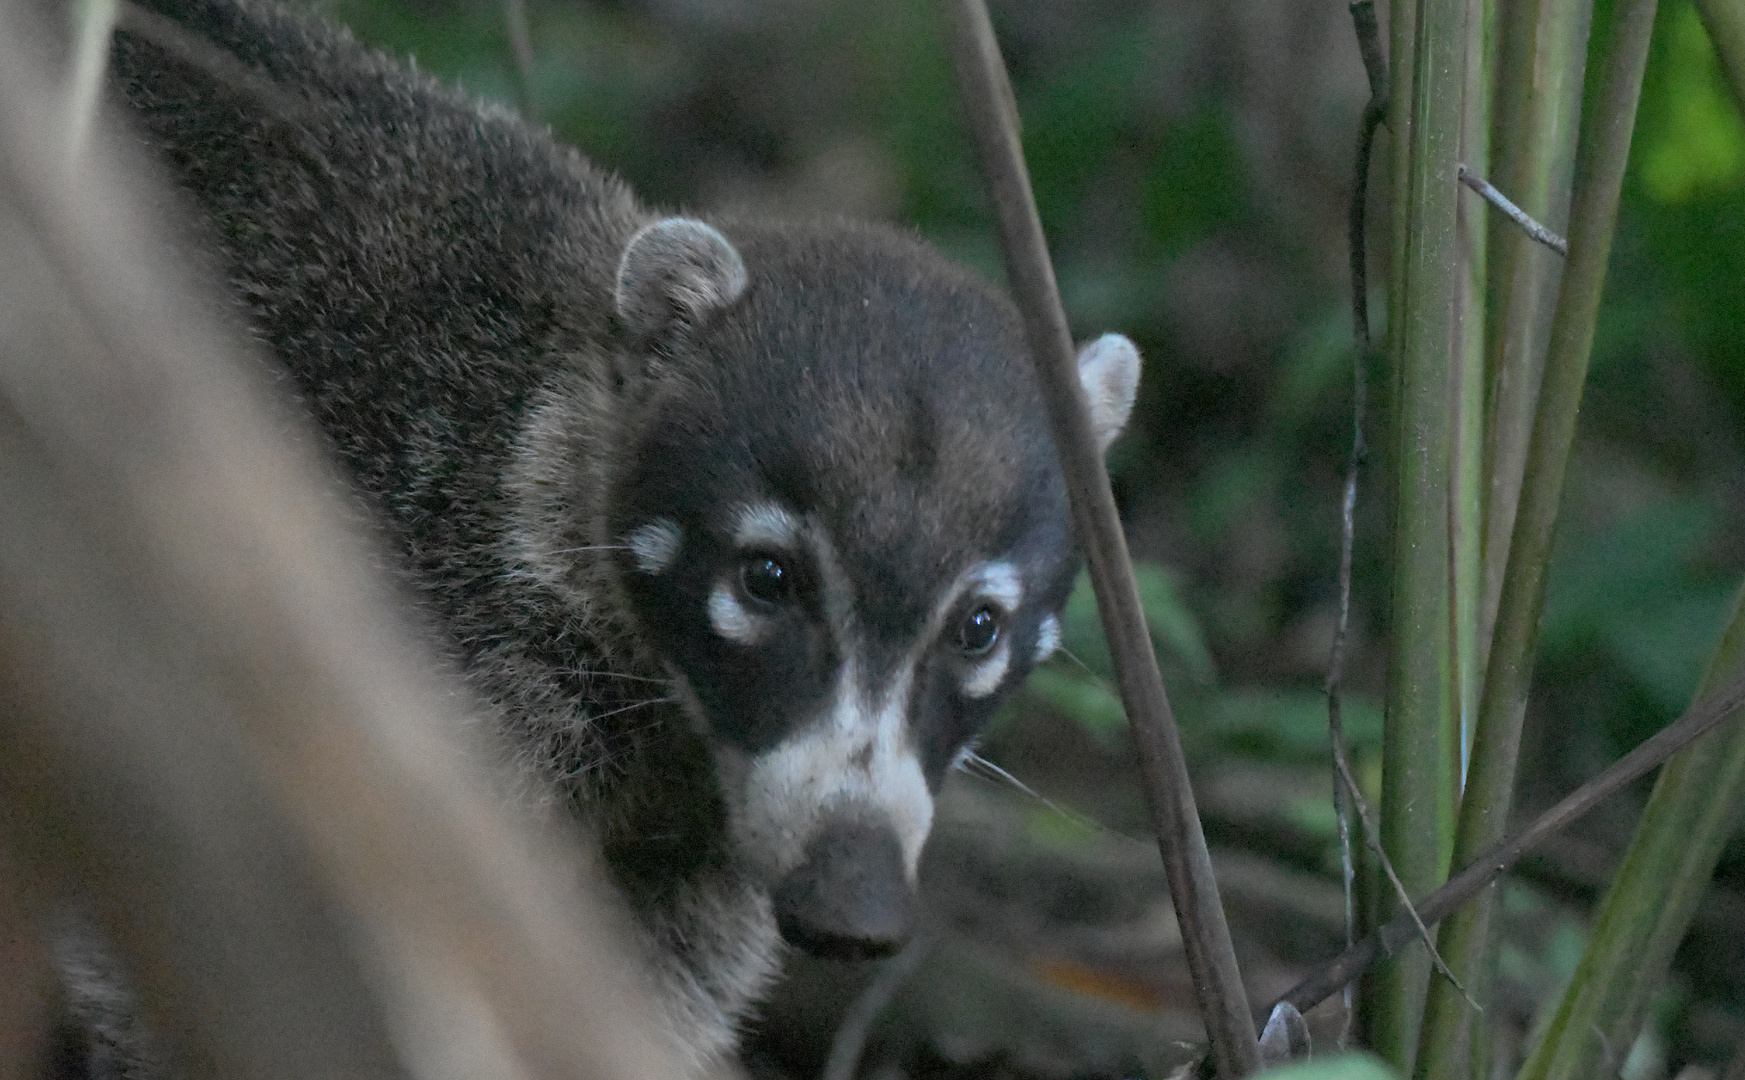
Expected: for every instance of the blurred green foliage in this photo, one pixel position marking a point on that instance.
(1339, 1067)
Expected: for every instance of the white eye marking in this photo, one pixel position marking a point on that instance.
(729, 617)
(765, 525)
(654, 546)
(988, 675)
(1047, 638)
(1000, 583)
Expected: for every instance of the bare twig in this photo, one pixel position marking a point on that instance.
(1375, 67)
(1372, 837)
(850, 1037)
(1205, 934)
(1700, 718)
(1514, 213)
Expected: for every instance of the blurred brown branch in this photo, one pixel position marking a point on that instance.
(217, 726)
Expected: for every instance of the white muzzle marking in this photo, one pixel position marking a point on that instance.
(855, 761)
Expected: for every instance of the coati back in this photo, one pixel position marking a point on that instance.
(740, 529)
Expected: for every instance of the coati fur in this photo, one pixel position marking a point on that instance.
(740, 529)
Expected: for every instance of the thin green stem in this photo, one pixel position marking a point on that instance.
(1441, 1048)
(1600, 166)
(1419, 755)
(1543, 53)
(1725, 20)
(1535, 142)
(1694, 810)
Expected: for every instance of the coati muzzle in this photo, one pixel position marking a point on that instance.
(850, 897)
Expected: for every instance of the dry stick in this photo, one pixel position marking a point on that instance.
(1700, 718)
(1375, 67)
(1372, 837)
(224, 725)
(1514, 213)
(992, 118)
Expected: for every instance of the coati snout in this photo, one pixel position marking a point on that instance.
(850, 898)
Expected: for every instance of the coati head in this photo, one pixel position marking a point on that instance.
(843, 526)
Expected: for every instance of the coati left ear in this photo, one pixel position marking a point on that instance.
(1109, 372)
(675, 274)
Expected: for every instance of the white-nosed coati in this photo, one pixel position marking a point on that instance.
(740, 528)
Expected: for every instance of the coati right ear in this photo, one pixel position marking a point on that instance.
(674, 275)
(1109, 372)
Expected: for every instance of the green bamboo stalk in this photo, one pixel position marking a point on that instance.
(1419, 754)
(1466, 511)
(1543, 46)
(1535, 138)
(1603, 156)
(1694, 809)
(1443, 1054)
(1402, 41)
(1725, 20)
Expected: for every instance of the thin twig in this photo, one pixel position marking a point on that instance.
(1205, 933)
(850, 1038)
(1375, 67)
(1372, 836)
(1697, 720)
(1514, 213)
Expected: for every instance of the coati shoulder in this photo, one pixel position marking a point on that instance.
(740, 529)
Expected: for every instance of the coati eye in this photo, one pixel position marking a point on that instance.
(765, 579)
(979, 630)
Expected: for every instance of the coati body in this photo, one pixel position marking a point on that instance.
(740, 529)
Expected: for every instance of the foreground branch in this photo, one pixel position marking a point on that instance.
(216, 725)
(988, 104)
(1699, 719)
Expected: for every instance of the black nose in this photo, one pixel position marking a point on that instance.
(850, 898)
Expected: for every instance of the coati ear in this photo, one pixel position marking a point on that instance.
(673, 275)
(1109, 372)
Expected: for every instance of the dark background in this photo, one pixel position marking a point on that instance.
(1192, 161)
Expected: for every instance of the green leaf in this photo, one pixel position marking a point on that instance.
(1698, 146)
(1340, 1067)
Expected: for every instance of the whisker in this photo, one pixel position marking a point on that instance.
(619, 675)
(633, 705)
(591, 547)
(975, 765)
